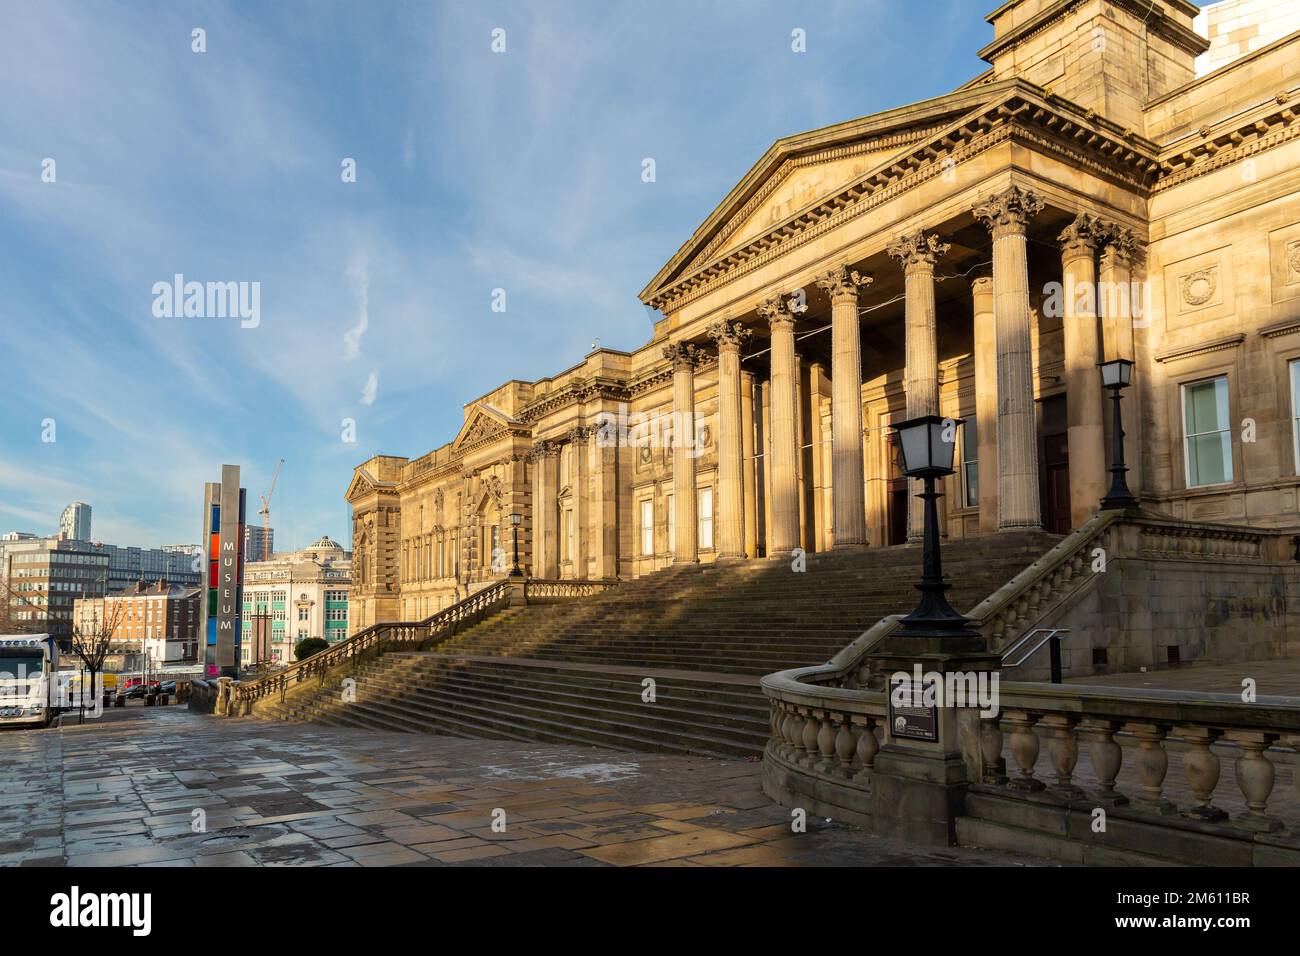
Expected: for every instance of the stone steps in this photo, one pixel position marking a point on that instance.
(557, 706)
(571, 672)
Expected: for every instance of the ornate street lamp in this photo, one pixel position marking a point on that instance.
(928, 444)
(515, 519)
(1117, 375)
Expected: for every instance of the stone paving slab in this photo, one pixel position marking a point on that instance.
(128, 792)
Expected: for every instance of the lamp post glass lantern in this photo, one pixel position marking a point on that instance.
(928, 444)
(515, 519)
(1117, 375)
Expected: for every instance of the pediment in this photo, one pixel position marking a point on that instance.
(799, 172)
(483, 423)
(796, 184)
(363, 483)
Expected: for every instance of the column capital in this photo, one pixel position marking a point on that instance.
(580, 433)
(1080, 238)
(917, 251)
(682, 355)
(843, 283)
(1119, 242)
(981, 285)
(728, 335)
(1008, 213)
(776, 312)
(543, 449)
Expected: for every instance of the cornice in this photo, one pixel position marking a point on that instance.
(1084, 139)
(1230, 143)
(1201, 348)
(1285, 327)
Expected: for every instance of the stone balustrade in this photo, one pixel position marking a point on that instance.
(826, 721)
(538, 591)
(1203, 731)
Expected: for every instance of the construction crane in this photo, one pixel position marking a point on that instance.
(265, 511)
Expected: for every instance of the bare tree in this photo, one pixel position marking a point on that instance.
(92, 636)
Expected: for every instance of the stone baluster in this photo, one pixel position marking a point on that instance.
(995, 766)
(1064, 749)
(867, 747)
(1255, 777)
(1107, 757)
(825, 741)
(1153, 765)
(1024, 748)
(845, 744)
(1201, 771)
(809, 740)
(789, 731)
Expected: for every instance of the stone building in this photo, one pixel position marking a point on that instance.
(973, 255)
(293, 596)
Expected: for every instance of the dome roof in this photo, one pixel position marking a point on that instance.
(325, 543)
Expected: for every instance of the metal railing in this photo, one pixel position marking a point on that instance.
(1014, 654)
(410, 633)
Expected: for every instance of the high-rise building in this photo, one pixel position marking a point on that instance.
(43, 578)
(259, 543)
(174, 564)
(223, 535)
(74, 523)
(292, 597)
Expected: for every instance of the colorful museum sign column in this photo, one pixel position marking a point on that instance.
(223, 520)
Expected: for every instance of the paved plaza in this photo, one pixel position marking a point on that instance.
(128, 791)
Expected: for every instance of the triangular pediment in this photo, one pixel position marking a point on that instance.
(483, 423)
(363, 483)
(799, 172)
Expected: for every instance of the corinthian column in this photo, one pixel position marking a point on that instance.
(1007, 216)
(1118, 252)
(731, 480)
(784, 440)
(986, 399)
(684, 358)
(917, 254)
(545, 509)
(848, 482)
(581, 503)
(1084, 405)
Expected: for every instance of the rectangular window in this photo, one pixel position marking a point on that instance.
(648, 526)
(706, 519)
(1295, 412)
(1207, 441)
(672, 526)
(970, 463)
(568, 535)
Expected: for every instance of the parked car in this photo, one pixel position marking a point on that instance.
(167, 687)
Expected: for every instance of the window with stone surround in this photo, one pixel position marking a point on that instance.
(706, 518)
(672, 526)
(648, 526)
(1294, 366)
(1207, 438)
(970, 464)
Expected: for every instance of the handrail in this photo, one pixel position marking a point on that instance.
(1049, 634)
(403, 632)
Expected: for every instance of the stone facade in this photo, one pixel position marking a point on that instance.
(975, 255)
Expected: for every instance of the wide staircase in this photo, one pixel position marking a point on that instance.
(669, 662)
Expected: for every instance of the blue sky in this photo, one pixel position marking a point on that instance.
(475, 171)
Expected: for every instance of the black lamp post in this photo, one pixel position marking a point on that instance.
(928, 444)
(515, 519)
(1117, 375)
